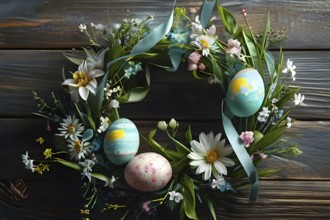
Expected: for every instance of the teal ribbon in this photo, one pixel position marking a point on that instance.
(240, 152)
(206, 13)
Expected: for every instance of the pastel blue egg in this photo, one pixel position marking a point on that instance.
(121, 141)
(246, 92)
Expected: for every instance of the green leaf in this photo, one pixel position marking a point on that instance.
(217, 70)
(228, 20)
(73, 59)
(266, 32)
(269, 139)
(257, 135)
(289, 95)
(137, 94)
(211, 208)
(270, 62)
(267, 172)
(96, 102)
(250, 46)
(189, 200)
(189, 134)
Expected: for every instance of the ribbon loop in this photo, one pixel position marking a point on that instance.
(240, 152)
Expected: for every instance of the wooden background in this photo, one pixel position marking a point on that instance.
(35, 33)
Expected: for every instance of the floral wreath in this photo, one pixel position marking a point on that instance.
(93, 139)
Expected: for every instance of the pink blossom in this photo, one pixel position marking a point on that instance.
(202, 66)
(192, 67)
(145, 206)
(233, 47)
(247, 138)
(194, 57)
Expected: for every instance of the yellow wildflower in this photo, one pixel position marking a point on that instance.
(40, 140)
(48, 153)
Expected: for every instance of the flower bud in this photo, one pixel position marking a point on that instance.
(192, 67)
(162, 125)
(173, 124)
(194, 57)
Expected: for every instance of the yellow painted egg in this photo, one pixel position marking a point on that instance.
(121, 141)
(246, 92)
(148, 172)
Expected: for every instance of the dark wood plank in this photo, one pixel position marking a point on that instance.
(312, 137)
(172, 94)
(277, 200)
(53, 24)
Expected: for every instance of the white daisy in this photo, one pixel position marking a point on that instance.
(206, 44)
(71, 127)
(83, 81)
(209, 155)
(298, 99)
(290, 69)
(176, 196)
(78, 148)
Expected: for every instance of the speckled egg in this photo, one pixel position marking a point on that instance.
(148, 172)
(246, 92)
(121, 141)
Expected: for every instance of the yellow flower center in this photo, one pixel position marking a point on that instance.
(204, 43)
(77, 146)
(71, 129)
(81, 78)
(212, 156)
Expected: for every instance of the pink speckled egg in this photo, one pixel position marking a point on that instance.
(148, 172)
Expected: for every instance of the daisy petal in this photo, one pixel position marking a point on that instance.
(220, 167)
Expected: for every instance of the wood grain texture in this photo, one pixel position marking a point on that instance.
(25, 71)
(33, 36)
(277, 200)
(53, 24)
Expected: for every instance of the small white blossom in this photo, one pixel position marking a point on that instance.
(288, 122)
(25, 158)
(99, 27)
(233, 47)
(290, 69)
(263, 115)
(218, 183)
(196, 28)
(110, 182)
(105, 123)
(114, 104)
(176, 196)
(30, 165)
(298, 99)
(211, 31)
(87, 168)
(28, 162)
(82, 27)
